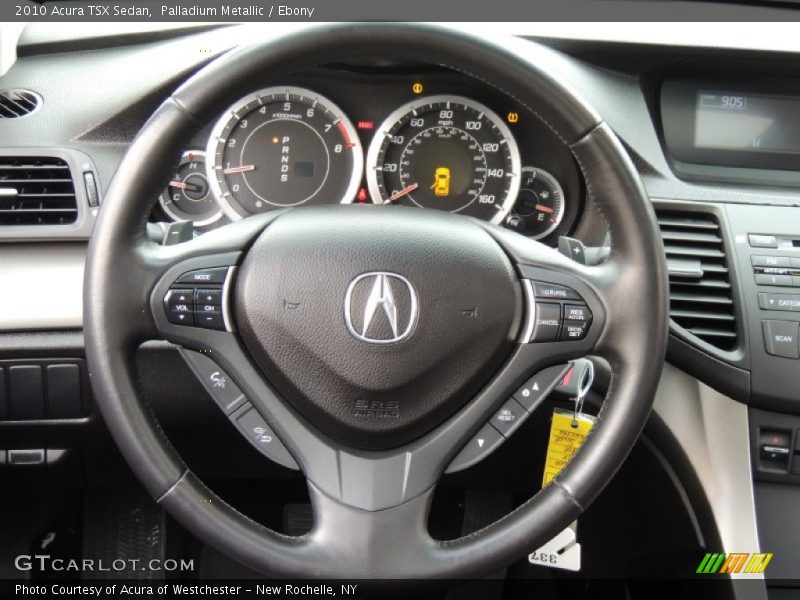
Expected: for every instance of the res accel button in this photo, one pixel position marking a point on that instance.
(577, 312)
(780, 338)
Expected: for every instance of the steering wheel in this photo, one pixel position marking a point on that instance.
(463, 298)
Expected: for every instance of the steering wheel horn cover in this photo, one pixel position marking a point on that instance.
(363, 497)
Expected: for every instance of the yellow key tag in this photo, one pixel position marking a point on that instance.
(567, 433)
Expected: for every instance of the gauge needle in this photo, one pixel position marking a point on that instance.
(544, 209)
(242, 169)
(178, 184)
(403, 192)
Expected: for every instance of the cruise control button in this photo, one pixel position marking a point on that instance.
(209, 319)
(217, 383)
(547, 322)
(780, 338)
(537, 387)
(205, 296)
(255, 428)
(574, 330)
(215, 275)
(478, 448)
(789, 302)
(551, 290)
(509, 417)
(577, 312)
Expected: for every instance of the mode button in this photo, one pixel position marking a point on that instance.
(214, 275)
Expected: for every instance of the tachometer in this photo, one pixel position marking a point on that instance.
(448, 153)
(281, 147)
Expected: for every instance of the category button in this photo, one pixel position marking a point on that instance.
(788, 302)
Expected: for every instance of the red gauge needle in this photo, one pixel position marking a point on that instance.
(178, 184)
(242, 169)
(544, 209)
(403, 192)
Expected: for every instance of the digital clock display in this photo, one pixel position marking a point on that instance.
(748, 122)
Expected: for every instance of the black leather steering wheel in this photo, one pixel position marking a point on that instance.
(371, 491)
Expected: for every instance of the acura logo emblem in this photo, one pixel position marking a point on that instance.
(380, 307)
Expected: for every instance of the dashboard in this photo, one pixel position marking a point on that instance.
(395, 134)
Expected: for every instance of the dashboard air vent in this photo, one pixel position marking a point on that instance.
(701, 299)
(18, 103)
(36, 191)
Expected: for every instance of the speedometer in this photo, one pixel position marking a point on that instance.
(448, 153)
(282, 147)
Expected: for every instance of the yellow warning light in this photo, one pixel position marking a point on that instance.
(417, 88)
(275, 140)
(441, 181)
(513, 117)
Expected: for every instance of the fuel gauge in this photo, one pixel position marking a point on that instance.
(188, 196)
(540, 203)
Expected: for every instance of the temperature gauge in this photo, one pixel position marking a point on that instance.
(540, 203)
(188, 196)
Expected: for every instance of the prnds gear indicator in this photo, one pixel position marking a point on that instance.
(281, 147)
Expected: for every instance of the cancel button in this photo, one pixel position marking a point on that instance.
(548, 322)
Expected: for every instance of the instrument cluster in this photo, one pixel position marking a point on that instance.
(435, 140)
